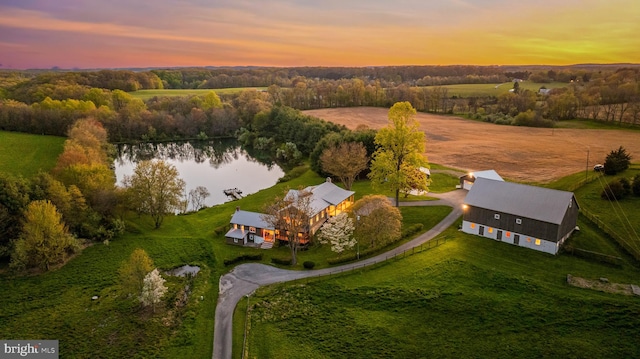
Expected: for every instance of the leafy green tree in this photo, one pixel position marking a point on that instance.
(338, 232)
(45, 240)
(211, 100)
(377, 221)
(133, 271)
(617, 161)
(14, 198)
(401, 147)
(155, 188)
(416, 181)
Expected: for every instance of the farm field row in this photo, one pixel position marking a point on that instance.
(523, 154)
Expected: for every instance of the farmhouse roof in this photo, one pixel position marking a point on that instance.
(542, 204)
(324, 195)
(252, 219)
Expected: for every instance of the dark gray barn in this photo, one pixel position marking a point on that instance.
(527, 216)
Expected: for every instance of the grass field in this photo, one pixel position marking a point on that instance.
(25, 155)
(470, 297)
(60, 302)
(486, 90)
(147, 94)
(621, 216)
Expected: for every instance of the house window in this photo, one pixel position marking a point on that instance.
(537, 242)
(252, 229)
(508, 234)
(518, 221)
(490, 230)
(496, 216)
(235, 226)
(473, 225)
(235, 240)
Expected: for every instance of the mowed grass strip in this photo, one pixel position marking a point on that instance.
(25, 155)
(470, 297)
(147, 94)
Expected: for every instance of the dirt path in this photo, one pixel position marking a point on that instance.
(518, 153)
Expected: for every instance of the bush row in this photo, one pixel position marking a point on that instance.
(285, 261)
(243, 257)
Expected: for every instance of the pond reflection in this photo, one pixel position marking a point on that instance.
(216, 165)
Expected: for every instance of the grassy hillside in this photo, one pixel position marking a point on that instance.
(485, 90)
(24, 154)
(620, 216)
(147, 94)
(114, 327)
(471, 297)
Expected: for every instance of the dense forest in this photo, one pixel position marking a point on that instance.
(50, 102)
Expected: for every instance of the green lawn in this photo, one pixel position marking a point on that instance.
(110, 327)
(24, 154)
(470, 297)
(486, 90)
(595, 125)
(147, 94)
(620, 216)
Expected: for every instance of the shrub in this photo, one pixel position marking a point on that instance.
(617, 161)
(243, 257)
(309, 264)
(294, 173)
(282, 261)
(221, 230)
(613, 191)
(635, 186)
(626, 185)
(411, 230)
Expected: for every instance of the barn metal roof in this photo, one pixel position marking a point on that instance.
(542, 204)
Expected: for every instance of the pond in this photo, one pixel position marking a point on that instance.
(217, 165)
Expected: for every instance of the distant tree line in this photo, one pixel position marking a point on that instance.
(48, 103)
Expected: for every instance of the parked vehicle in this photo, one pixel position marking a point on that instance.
(598, 168)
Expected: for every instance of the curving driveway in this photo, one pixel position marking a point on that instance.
(246, 278)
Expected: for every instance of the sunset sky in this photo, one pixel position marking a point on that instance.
(162, 33)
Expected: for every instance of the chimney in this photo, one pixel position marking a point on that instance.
(238, 209)
(329, 179)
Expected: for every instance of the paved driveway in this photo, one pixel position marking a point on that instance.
(246, 278)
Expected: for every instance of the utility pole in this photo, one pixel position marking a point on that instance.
(586, 171)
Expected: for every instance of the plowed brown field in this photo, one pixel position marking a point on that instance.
(518, 153)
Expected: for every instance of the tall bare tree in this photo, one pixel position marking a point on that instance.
(345, 161)
(290, 215)
(197, 197)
